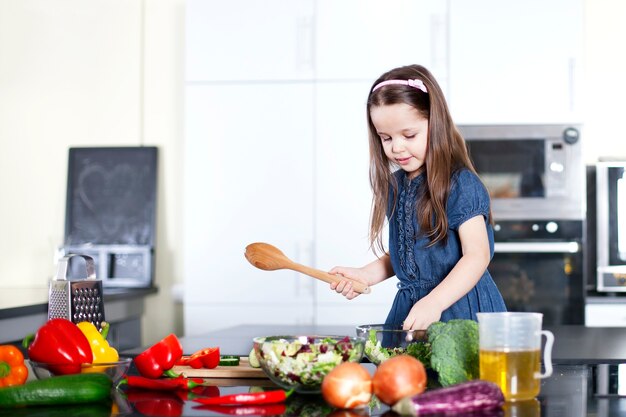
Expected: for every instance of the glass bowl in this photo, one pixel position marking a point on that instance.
(383, 342)
(302, 362)
(114, 370)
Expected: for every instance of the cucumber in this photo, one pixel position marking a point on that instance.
(464, 397)
(227, 360)
(56, 390)
(253, 360)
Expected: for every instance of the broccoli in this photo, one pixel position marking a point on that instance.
(454, 350)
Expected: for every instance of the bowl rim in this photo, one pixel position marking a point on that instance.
(381, 327)
(338, 338)
(121, 361)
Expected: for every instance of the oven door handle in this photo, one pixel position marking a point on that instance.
(537, 247)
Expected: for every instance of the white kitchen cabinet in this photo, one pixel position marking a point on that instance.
(343, 201)
(515, 62)
(287, 40)
(246, 40)
(248, 177)
(605, 314)
(362, 39)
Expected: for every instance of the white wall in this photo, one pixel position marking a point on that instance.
(110, 72)
(605, 83)
(96, 73)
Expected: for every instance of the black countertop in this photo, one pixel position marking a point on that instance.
(583, 384)
(18, 302)
(573, 344)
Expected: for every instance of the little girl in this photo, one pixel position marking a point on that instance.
(440, 234)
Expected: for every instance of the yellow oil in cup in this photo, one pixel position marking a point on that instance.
(510, 353)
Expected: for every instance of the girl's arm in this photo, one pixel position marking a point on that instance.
(463, 277)
(370, 274)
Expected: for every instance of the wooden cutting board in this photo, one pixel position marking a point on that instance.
(243, 370)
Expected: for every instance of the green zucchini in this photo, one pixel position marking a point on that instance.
(56, 390)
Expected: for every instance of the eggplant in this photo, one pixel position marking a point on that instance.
(477, 395)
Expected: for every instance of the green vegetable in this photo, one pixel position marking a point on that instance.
(454, 350)
(253, 360)
(58, 390)
(229, 360)
(377, 353)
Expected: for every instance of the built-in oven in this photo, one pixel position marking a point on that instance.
(539, 266)
(536, 180)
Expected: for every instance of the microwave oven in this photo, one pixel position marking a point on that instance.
(611, 226)
(532, 172)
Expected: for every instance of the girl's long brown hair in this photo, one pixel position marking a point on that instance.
(446, 153)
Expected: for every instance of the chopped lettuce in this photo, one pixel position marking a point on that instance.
(377, 353)
(306, 362)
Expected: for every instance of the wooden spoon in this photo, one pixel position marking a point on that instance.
(270, 258)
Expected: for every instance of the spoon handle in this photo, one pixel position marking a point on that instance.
(329, 278)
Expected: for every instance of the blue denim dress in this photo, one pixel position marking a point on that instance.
(420, 268)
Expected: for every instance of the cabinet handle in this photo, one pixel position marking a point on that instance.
(572, 83)
(305, 43)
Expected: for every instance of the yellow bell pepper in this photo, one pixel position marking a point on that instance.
(100, 348)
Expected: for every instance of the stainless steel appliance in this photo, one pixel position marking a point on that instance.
(539, 266)
(536, 179)
(531, 171)
(79, 300)
(611, 226)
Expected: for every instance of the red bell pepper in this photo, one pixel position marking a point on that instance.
(61, 344)
(160, 357)
(205, 358)
(151, 403)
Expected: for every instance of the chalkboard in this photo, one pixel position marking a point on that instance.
(111, 196)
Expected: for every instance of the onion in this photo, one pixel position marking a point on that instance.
(398, 377)
(348, 385)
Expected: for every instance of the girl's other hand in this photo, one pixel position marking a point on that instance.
(344, 287)
(422, 314)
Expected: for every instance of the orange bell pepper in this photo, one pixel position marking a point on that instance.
(13, 371)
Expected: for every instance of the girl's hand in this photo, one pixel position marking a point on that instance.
(422, 314)
(344, 287)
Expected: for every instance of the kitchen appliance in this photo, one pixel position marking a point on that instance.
(611, 226)
(538, 266)
(76, 300)
(531, 171)
(111, 212)
(536, 180)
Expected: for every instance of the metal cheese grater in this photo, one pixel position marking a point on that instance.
(76, 300)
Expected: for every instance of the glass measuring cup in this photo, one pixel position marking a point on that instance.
(510, 352)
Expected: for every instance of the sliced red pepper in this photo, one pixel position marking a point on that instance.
(161, 384)
(60, 343)
(205, 358)
(160, 357)
(246, 410)
(263, 397)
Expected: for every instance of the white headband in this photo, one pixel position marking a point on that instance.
(416, 83)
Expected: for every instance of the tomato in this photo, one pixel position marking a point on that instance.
(398, 377)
